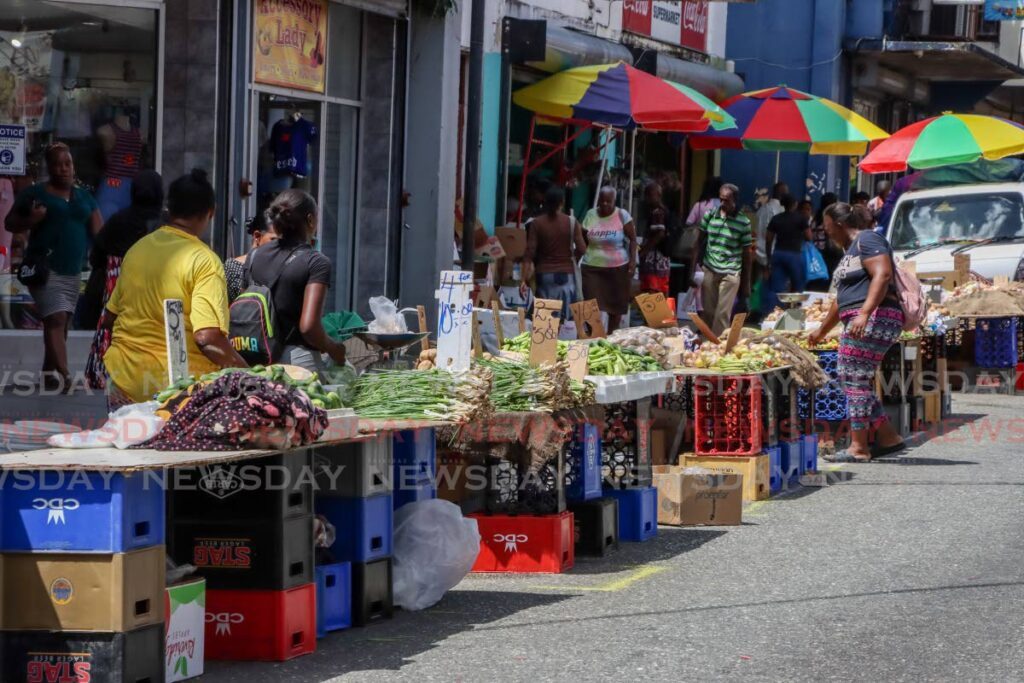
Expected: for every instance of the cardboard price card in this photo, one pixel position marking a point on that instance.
(544, 338)
(578, 357)
(655, 310)
(587, 315)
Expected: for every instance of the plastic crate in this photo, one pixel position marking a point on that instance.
(893, 379)
(583, 463)
(372, 592)
(81, 656)
(995, 343)
(333, 597)
(933, 348)
(625, 444)
(268, 626)
(364, 526)
(638, 513)
(728, 415)
(359, 469)
(808, 453)
(525, 543)
(414, 453)
(775, 478)
(81, 511)
(679, 401)
(413, 491)
(596, 526)
(789, 460)
(513, 488)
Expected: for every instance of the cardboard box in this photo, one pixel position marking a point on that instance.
(932, 407)
(698, 499)
(659, 449)
(83, 592)
(672, 426)
(185, 609)
(754, 469)
(513, 241)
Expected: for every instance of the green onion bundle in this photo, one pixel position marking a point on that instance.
(519, 387)
(423, 395)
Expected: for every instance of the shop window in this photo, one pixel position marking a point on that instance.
(85, 75)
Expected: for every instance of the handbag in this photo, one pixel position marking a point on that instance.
(34, 270)
(576, 274)
(814, 263)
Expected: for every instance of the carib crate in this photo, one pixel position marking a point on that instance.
(626, 444)
(525, 543)
(81, 511)
(515, 487)
(728, 415)
(583, 463)
(638, 513)
(333, 597)
(253, 625)
(365, 526)
(995, 343)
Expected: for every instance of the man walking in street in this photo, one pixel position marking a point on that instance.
(725, 241)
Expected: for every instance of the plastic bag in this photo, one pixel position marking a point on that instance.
(434, 549)
(386, 317)
(127, 426)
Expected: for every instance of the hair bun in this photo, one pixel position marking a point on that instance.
(199, 175)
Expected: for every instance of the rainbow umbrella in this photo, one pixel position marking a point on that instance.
(944, 140)
(782, 119)
(620, 96)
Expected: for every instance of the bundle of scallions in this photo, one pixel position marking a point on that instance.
(423, 395)
(519, 387)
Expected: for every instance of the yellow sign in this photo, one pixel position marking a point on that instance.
(290, 43)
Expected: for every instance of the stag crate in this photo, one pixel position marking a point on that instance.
(525, 543)
(333, 597)
(583, 463)
(995, 343)
(74, 657)
(595, 526)
(775, 474)
(274, 487)
(638, 513)
(414, 453)
(267, 626)
(372, 592)
(625, 444)
(354, 470)
(365, 526)
(412, 491)
(517, 488)
(247, 554)
(728, 415)
(80, 511)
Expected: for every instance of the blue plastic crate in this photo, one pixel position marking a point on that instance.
(790, 460)
(775, 478)
(407, 491)
(81, 511)
(414, 453)
(638, 513)
(364, 526)
(808, 453)
(583, 464)
(995, 343)
(333, 597)
(830, 403)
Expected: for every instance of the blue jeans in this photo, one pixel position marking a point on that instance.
(787, 269)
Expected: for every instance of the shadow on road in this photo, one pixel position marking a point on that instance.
(669, 543)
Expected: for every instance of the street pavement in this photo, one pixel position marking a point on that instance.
(908, 569)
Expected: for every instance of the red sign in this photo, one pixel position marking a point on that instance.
(682, 23)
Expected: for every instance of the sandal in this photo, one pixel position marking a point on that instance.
(844, 456)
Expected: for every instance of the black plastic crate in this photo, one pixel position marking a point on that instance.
(933, 348)
(680, 401)
(625, 445)
(127, 657)
(372, 592)
(893, 375)
(274, 487)
(512, 488)
(247, 555)
(354, 470)
(596, 525)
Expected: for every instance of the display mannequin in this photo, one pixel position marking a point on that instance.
(123, 145)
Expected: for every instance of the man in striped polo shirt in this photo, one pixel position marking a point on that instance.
(725, 242)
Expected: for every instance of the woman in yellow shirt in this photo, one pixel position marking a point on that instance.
(170, 263)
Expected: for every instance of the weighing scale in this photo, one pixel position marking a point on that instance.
(933, 288)
(390, 348)
(793, 316)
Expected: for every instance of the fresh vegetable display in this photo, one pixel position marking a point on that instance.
(519, 387)
(606, 358)
(654, 343)
(423, 394)
(310, 384)
(746, 356)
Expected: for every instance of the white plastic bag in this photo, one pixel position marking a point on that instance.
(127, 426)
(387, 319)
(434, 549)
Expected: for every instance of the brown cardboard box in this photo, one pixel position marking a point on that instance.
(513, 241)
(672, 424)
(83, 591)
(698, 499)
(659, 449)
(932, 407)
(754, 469)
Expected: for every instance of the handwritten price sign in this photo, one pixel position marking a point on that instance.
(454, 320)
(587, 315)
(578, 357)
(544, 338)
(655, 310)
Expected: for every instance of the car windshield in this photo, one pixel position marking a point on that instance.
(953, 218)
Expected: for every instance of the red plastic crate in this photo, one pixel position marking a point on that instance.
(269, 626)
(542, 544)
(728, 415)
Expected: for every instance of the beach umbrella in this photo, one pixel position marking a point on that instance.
(945, 140)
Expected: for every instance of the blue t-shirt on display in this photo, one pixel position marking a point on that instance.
(290, 142)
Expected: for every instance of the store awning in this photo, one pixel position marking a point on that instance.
(399, 9)
(937, 60)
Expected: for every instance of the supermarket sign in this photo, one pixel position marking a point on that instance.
(682, 23)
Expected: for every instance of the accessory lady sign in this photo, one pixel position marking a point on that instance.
(290, 43)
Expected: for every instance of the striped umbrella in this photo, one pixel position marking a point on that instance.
(782, 119)
(944, 140)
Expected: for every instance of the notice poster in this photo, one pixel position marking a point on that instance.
(1004, 10)
(290, 43)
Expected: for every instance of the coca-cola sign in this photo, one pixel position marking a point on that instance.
(678, 23)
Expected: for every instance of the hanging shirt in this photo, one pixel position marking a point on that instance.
(290, 141)
(606, 239)
(124, 159)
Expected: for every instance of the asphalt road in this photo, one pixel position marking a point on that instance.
(909, 569)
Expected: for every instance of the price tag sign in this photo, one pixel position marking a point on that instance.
(734, 331)
(588, 319)
(454, 320)
(578, 356)
(655, 310)
(544, 337)
(174, 333)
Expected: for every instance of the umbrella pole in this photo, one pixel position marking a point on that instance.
(600, 173)
(632, 168)
(778, 159)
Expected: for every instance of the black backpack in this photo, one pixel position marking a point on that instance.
(253, 328)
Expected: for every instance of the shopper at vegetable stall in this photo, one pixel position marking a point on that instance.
(868, 305)
(172, 262)
(655, 265)
(554, 244)
(725, 245)
(787, 233)
(59, 218)
(302, 276)
(610, 261)
(234, 268)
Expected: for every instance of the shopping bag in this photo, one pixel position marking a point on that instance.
(814, 263)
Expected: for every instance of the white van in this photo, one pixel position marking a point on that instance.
(983, 220)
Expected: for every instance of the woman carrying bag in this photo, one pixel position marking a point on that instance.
(554, 245)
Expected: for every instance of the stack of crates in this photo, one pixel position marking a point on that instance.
(414, 454)
(996, 352)
(82, 573)
(248, 529)
(354, 495)
(595, 517)
(626, 468)
(829, 401)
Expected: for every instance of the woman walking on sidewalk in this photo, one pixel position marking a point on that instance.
(867, 304)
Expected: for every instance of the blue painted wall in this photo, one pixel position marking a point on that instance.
(489, 140)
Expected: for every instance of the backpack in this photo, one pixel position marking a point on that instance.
(911, 297)
(253, 324)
